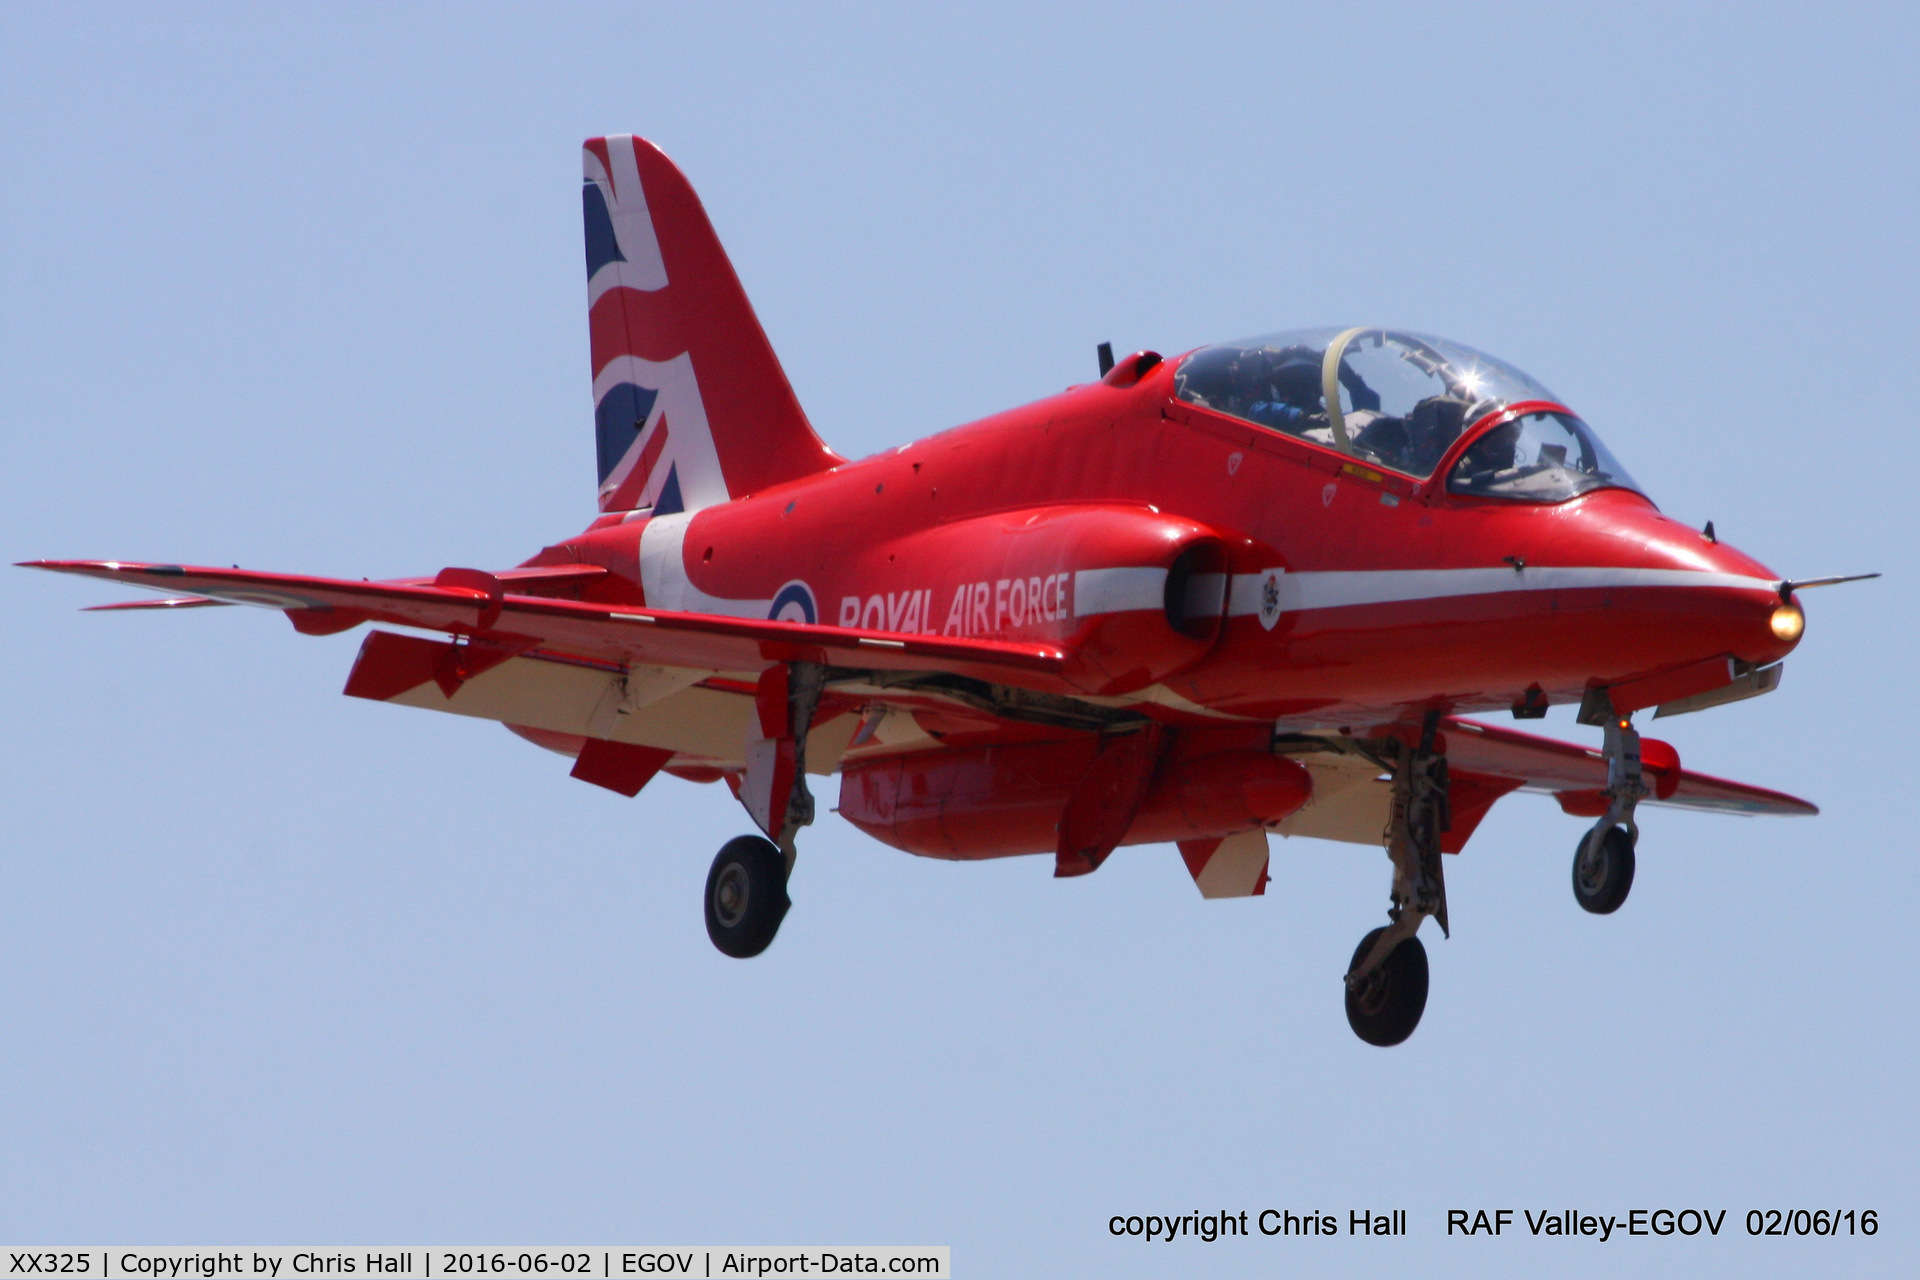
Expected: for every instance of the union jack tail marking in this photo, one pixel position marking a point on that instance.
(691, 407)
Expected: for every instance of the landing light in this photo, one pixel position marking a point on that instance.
(1787, 623)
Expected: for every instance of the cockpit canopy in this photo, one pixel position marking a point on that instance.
(1400, 400)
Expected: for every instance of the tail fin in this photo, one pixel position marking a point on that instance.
(691, 407)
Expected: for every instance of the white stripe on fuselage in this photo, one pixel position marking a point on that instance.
(1342, 589)
(1097, 591)
(1129, 589)
(1100, 591)
(663, 573)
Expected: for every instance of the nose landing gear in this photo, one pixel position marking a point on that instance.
(1603, 863)
(1603, 870)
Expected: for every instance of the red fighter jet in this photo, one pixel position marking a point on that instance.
(1246, 590)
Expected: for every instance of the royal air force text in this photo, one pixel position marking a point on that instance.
(976, 608)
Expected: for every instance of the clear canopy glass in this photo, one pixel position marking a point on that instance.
(1398, 400)
(1537, 457)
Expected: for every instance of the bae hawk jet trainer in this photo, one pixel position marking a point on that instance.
(1249, 589)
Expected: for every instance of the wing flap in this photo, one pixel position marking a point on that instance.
(536, 689)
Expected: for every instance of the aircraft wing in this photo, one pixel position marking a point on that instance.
(470, 601)
(1575, 774)
(548, 665)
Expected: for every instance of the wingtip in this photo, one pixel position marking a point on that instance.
(102, 568)
(172, 602)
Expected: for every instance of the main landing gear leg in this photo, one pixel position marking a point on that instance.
(1387, 979)
(747, 886)
(1603, 862)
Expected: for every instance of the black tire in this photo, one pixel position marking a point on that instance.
(1601, 881)
(746, 896)
(1385, 1007)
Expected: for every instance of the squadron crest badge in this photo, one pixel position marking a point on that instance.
(1270, 597)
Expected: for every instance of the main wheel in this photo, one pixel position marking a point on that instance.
(1385, 1006)
(746, 896)
(1603, 871)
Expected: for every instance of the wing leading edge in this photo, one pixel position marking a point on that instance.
(470, 602)
(1574, 774)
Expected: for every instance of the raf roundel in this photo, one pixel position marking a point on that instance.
(794, 603)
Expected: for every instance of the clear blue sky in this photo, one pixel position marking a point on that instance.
(300, 288)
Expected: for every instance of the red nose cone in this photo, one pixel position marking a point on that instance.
(1747, 614)
(1693, 600)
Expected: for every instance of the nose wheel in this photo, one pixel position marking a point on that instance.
(1384, 1005)
(746, 896)
(1603, 870)
(1603, 864)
